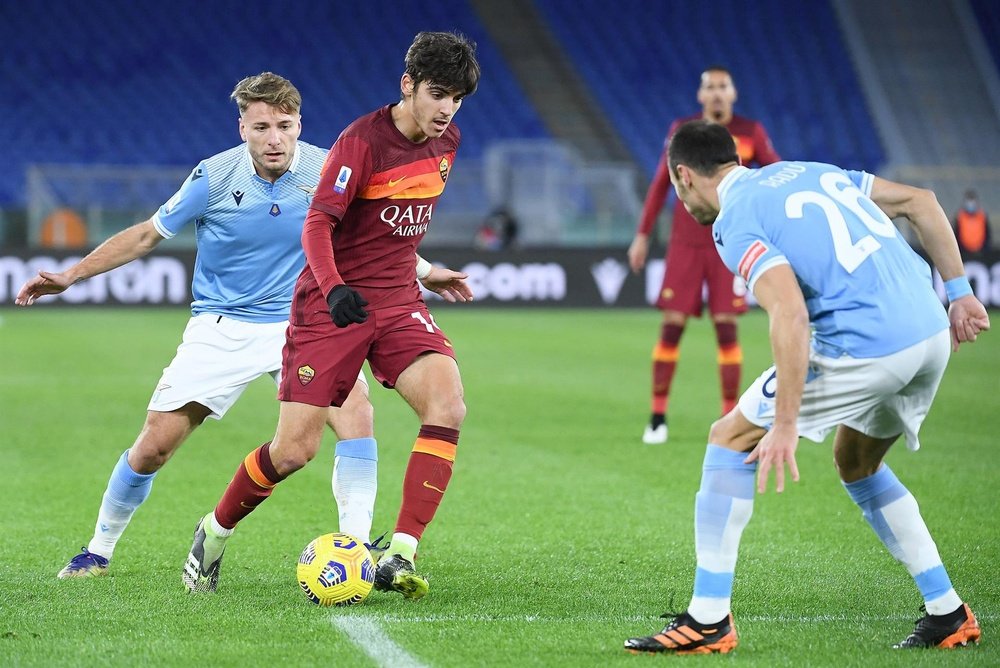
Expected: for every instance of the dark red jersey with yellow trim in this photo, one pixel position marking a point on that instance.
(753, 146)
(377, 193)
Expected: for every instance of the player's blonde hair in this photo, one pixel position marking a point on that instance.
(269, 88)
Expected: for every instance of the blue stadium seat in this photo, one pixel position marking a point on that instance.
(644, 62)
(988, 15)
(147, 83)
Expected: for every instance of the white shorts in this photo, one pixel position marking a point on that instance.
(880, 397)
(216, 360)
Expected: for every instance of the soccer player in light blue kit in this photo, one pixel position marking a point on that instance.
(816, 245)
(248, 205)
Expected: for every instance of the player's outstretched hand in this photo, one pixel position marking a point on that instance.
(776, 449)
(46, 283)
(637, 252)
(968, 318)
(346, 306)
(449, 284)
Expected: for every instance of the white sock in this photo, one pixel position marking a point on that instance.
(355, 484)
(893, 513)
(722, 509)
(404, 545)
(218, 529)
(125, 492)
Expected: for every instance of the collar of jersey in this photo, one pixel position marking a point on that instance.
(726, 183)
(292, 166)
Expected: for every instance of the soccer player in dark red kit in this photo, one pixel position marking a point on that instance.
(692, 260)
(357, 299)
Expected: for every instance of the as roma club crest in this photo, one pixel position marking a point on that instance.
(443, 168)
(306, 374)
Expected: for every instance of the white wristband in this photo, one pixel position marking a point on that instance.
(423, 268)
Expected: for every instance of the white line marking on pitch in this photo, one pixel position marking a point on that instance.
(367, 634)
(782, 619)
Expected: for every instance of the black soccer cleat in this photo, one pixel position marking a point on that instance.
(955, 629)
(396, 573)
(684, 635)
(201, 574)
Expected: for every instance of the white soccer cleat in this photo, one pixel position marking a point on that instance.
(653, 436)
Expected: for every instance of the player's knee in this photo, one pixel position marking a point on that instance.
(362, 413)
(289, 457)
(674, 318)
(735, 432)
(147, 457)
(447, 412)
(718, 433)
(355, 419)
(457, 410)
(161, 435)
(852, 469)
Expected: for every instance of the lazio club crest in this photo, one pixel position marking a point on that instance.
(443, 167)
(306, 374)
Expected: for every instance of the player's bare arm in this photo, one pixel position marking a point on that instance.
(651, 207)
(779, 294)
(922, 209)
(122, 248)
(967, 315)
(638, 251)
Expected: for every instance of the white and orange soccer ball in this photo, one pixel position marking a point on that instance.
(336, 569)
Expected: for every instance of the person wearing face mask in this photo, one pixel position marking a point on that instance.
(972, 226)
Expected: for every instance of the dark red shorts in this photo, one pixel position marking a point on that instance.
(320, 363)
(689, 270)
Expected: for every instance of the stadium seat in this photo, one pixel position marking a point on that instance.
(643, 68)
(148, 83)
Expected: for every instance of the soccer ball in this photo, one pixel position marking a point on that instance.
(336, 569)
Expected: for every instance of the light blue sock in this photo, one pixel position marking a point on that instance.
(893, 513)
(722, 509)
(125, 492)
(355, 484)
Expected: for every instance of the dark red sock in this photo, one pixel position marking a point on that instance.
(427, 476)
(665, 356)
(253, 482)
(730, 362)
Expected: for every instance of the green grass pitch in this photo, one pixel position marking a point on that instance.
(561, 534)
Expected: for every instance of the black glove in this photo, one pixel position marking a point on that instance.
(346, 306)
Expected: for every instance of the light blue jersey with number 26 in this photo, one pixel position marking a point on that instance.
(868, 293)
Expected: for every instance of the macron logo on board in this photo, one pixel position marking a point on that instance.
(609, 275)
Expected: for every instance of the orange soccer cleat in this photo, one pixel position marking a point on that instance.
(684, 635)
(955, 629)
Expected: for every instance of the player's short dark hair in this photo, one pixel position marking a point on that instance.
(717, 68)
(444, 59)
(269, 88)
(702, 146)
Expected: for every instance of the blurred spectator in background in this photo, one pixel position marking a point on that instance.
(507, 224)
(498, 232)
(487, 237)
(972, 226)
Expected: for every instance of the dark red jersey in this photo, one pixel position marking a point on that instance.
(373, 205)
(753, 146)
